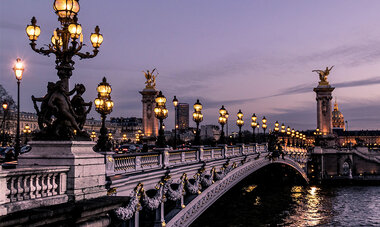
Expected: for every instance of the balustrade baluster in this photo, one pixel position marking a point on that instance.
(44, 185)
(20, 189)
(55, 185)
(49, 184)
(12, 189)
(26, 186)
(32, 192)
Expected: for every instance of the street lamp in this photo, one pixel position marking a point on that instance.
(5, 110)
(288, 133)
(240, 123)
(297, 137)
(223, 118)
(198, 118)
(175, 104)
(69, 33)
(104, 106)
(161, 113)
(124, 138)
(93, 135)
(276, 127)
(18, 68)
(26, 132)
(254, 125)
(283, 131)
(264, 126)
(293, 135)
(139, 135)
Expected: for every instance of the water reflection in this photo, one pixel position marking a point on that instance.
(295, 206)
(307, 209)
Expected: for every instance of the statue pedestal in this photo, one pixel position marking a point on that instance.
(86, 177)
(150, 122)
(324, 108)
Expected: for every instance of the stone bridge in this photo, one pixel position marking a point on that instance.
(192, 179)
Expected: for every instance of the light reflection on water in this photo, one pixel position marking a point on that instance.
(307, 210)
(339, 206)
(297, 206)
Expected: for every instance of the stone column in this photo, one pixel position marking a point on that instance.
(324, 108)
(150, 122)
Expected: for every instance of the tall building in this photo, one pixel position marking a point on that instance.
(183, 116)
(337, 118)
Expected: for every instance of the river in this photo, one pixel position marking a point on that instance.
(268, 205)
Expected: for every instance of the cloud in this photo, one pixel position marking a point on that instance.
(11, 26)
(361, 53)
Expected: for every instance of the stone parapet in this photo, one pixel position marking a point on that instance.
(86, 175)
(26, 188)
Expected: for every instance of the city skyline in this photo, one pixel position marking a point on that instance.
(233, 54)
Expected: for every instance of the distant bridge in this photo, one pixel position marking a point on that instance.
(193, 178)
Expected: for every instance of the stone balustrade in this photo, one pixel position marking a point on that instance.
(27, 188)
(160, 158)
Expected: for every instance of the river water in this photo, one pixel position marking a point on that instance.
(264, 205)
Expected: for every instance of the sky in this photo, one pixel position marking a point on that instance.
(252, 55)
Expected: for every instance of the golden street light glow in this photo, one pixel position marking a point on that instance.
(18, 69)
(33, 31)
(5, 105)
(175, 101)
(66, 8)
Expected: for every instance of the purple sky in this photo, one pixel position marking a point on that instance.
(256, 56)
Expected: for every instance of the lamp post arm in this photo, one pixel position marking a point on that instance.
(87, 54)
(42, 50)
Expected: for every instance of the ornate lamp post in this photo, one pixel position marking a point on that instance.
(304, 140)
(26, 132)
(5, 110)
(175, 104)
(93, 135)
(264, 126)
(288, 133)
(18, 68)
(283, 131)
(64, 41)
(254, 126)
(276, 127)
(124, 138)
(104, 106)
(240, 123)
(138, 135)
(297, 138)
(161, 113)
(222, 121)
(198, 118)
(293, 135)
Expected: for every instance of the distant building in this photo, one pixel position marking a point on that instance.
(183, 116)
(337, 118)
(128, 126)
(10, 126)
(210, 132)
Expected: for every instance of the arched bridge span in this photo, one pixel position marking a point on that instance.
(193, 178)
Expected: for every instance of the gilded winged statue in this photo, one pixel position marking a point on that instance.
(150, 78)
(323, 75)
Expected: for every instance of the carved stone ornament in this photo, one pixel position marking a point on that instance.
(127, 212)
(153, 199)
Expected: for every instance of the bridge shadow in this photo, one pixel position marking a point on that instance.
(258, 200)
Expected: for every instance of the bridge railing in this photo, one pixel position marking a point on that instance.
(25, 187)
(122, 163)
(160, 158)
